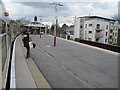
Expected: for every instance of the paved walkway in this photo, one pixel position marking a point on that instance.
(26, 72)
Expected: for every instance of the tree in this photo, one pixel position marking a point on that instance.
(64, 26)
(14, 27)
(58, 30)
(116, 18)
(23, 21)
(35, 18)
(52, 29)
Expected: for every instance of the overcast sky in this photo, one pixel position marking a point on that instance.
(29, 8)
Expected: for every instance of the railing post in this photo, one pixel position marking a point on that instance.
(0, 64)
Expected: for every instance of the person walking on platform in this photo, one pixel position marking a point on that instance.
(26, 41)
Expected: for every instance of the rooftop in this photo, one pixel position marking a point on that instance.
(97, 17)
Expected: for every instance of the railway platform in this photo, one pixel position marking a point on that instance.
(27, 75)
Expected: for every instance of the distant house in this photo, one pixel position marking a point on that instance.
(69, 31)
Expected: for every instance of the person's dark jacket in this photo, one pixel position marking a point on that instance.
(26, 41)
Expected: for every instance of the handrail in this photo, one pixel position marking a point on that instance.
(12, 76)
(102, 45)
(11, 82)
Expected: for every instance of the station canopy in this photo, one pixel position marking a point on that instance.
(35, 24)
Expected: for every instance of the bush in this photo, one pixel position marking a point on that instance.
(78, 39)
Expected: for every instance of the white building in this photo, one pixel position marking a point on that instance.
(93, 28)
(113, 33)
(79, 27)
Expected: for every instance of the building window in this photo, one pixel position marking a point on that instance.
(111, 30)
(110, 42)
(90, 25)
(97, 40)
(81, 20)
(113, 34)
(89, 39)
(106, 26)
(106, 33)
(85, 25)
(105, 40)
(90, 31)
(81, 26)
(110, 37)
(98, 26)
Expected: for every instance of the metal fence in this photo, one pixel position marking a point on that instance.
(101, 45)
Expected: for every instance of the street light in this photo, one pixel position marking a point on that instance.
(56, 20)
(41, 24)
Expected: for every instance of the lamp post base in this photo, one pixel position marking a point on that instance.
(54, 41)
(40, 35)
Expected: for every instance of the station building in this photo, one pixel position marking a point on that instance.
(35, 27)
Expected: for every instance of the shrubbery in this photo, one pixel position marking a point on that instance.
(78, 39)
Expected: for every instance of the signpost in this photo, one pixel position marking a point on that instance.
(6, 14)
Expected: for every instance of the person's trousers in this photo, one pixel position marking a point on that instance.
(28, 53)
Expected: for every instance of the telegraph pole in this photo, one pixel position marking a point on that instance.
(75, 27)
(56, 20)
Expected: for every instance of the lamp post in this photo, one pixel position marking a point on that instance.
(56, 20)
(41, 24)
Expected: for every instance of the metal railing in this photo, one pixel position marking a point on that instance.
(101, 45)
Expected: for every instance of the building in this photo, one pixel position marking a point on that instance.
(93, 28)
(118, 40)
(69, 30)
(113, 33)
(35, 27)
(79, 27)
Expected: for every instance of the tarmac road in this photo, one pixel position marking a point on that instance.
(71, 65)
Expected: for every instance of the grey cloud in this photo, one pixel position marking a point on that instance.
(46, 9)
(100, 5)
(43, 5)
(36, 4)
